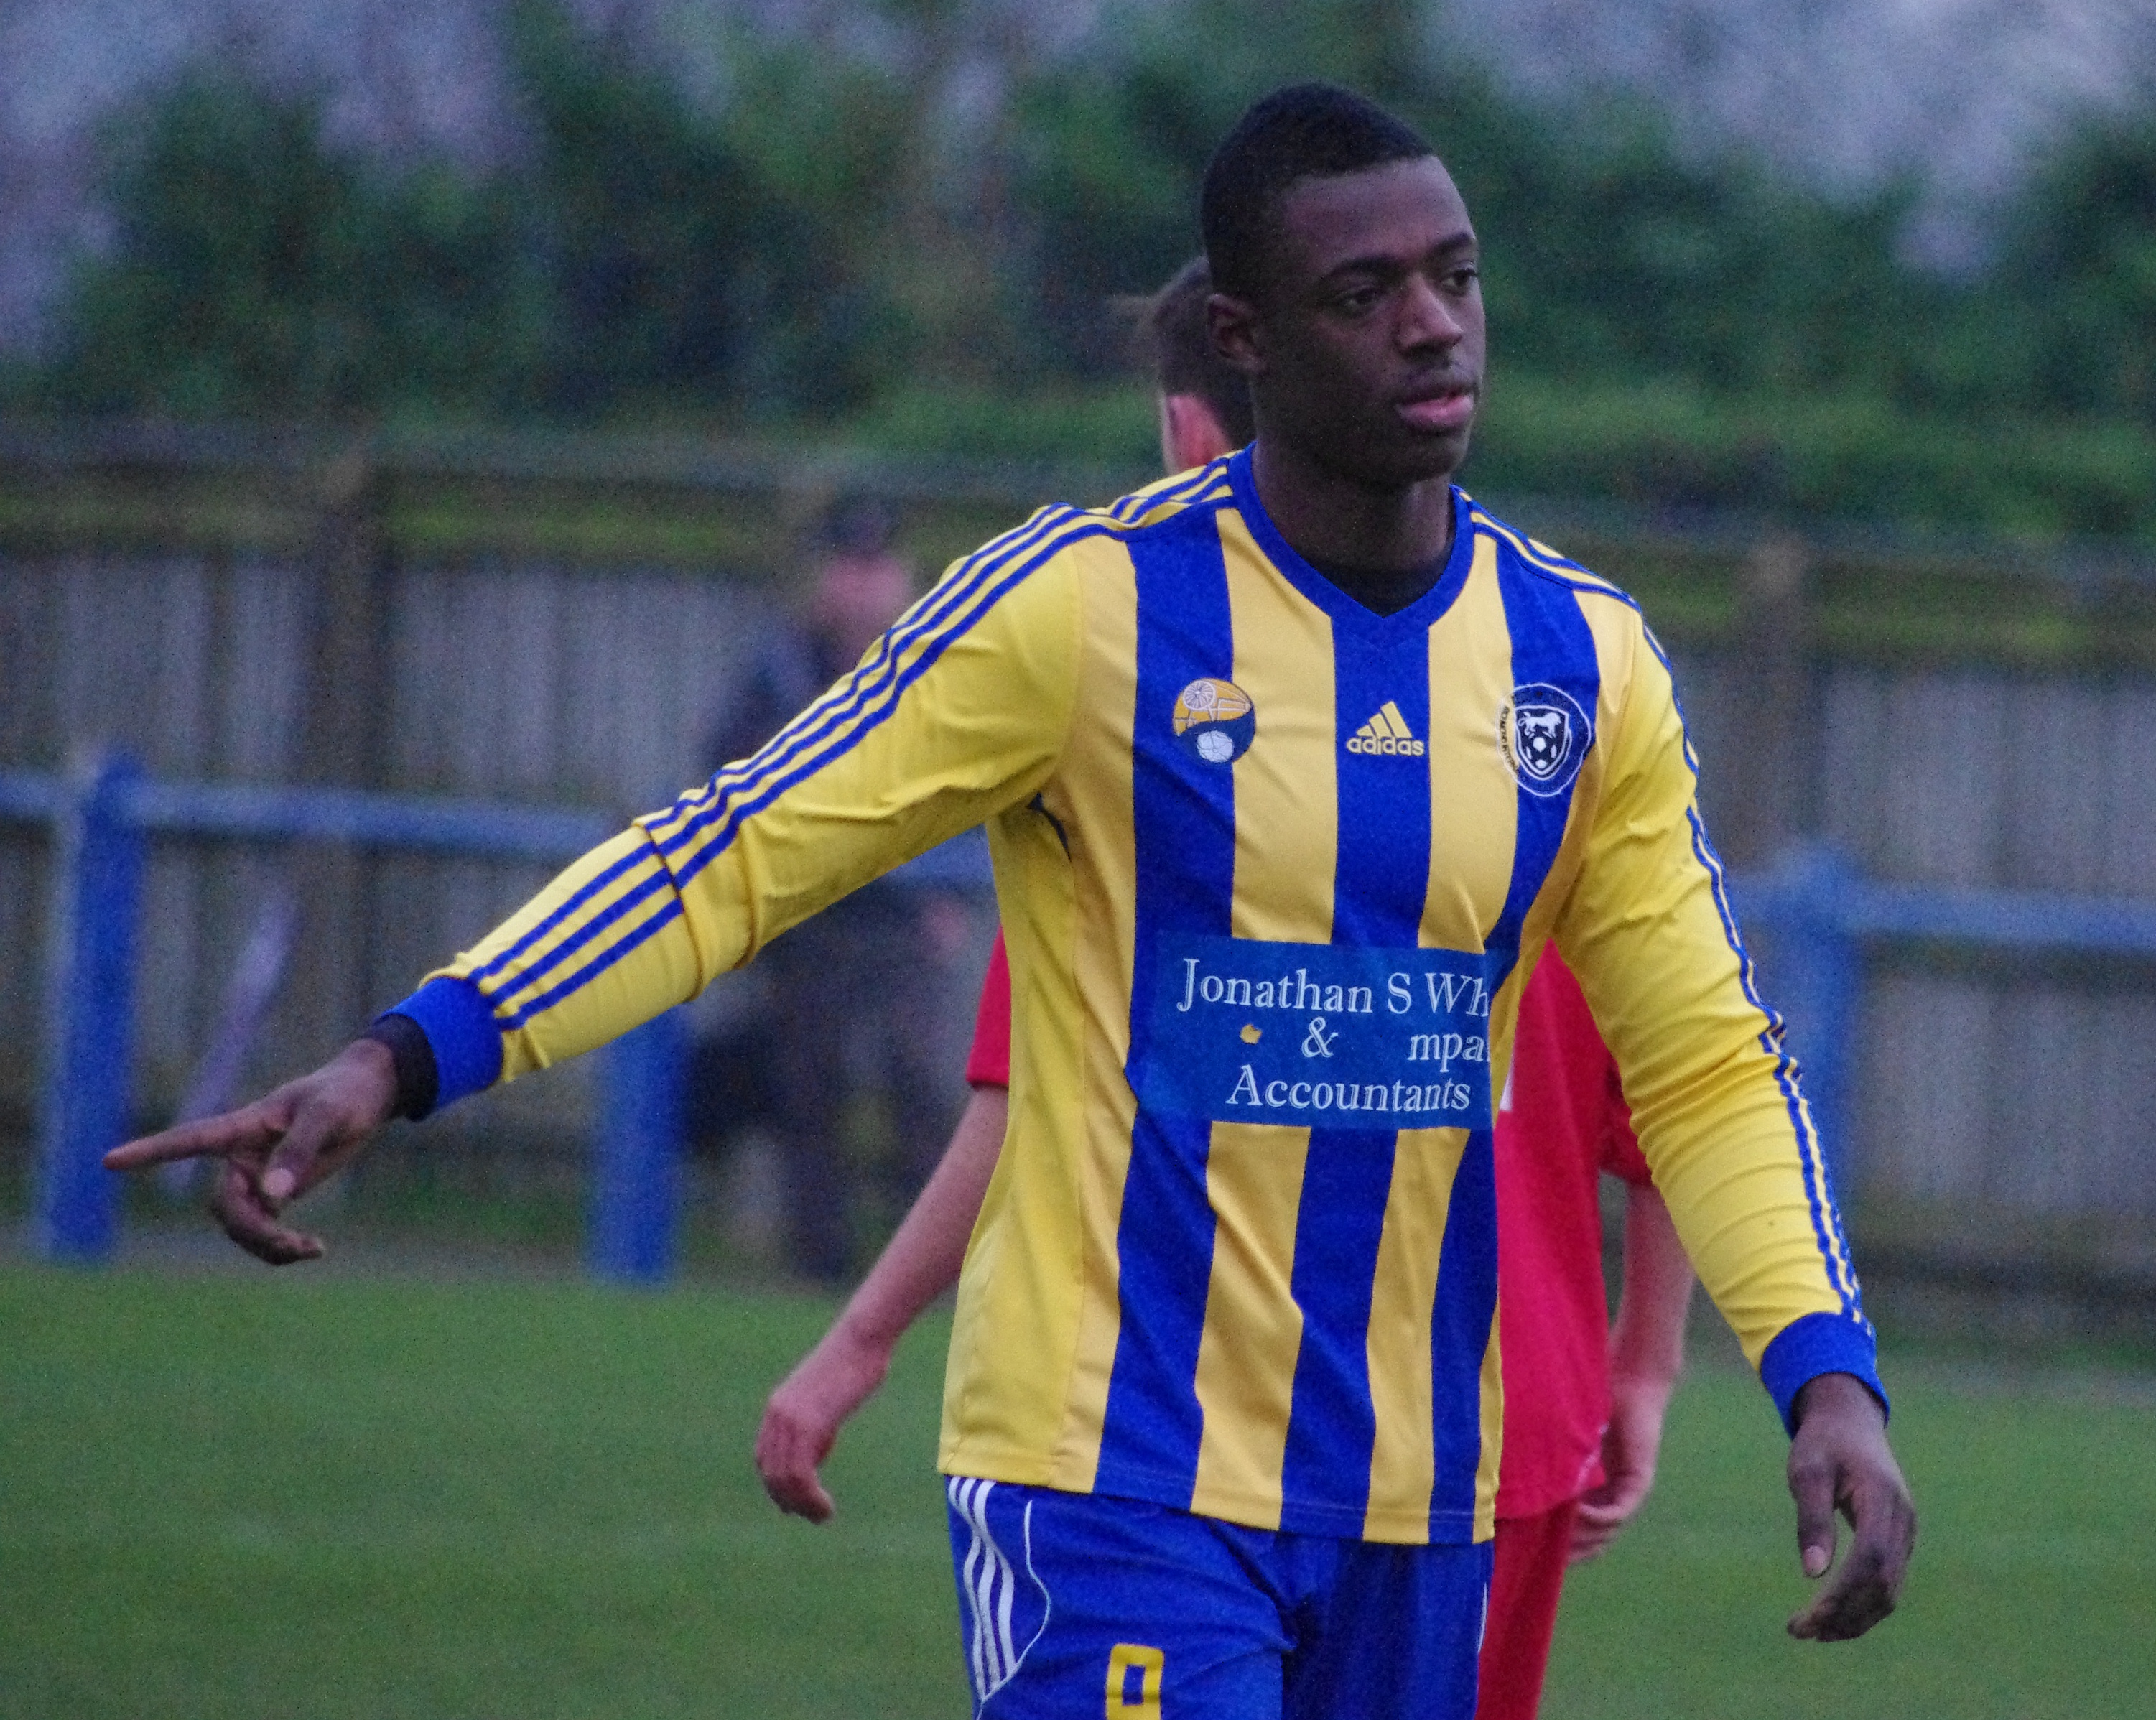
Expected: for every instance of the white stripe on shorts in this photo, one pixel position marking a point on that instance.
(990, 1586)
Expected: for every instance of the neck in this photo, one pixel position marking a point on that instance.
(1368, 539)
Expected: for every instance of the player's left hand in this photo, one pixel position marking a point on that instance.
(1839, 1461)
(801, 1422)
(1631, 1446)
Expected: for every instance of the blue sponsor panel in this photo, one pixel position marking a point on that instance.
(1318, 1035)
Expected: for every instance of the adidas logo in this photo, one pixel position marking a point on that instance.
(1386, 732)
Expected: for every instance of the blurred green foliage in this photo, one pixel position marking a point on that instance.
(2089, 225)
(255, 272)
(642, 255)
(829, 242)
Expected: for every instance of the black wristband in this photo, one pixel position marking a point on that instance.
(417, 1079)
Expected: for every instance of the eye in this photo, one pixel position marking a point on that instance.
(1356, 301)
(1462, 280)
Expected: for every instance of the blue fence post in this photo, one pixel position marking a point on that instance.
(636, 1176)
(89, 984)
(1820, 972)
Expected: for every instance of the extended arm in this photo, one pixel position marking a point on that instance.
(1647, 1354)
(801, 1422)
(958, 713)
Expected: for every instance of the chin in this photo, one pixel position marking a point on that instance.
(1420, 459)
(1386, 456)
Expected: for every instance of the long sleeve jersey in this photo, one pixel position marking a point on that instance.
(1273, 868)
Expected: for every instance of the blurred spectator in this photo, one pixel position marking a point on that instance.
(849, 989)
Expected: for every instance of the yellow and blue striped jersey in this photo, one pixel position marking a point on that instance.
(1273, 868)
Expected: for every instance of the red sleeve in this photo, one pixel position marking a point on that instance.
(1574, 1045)
(989, 1065)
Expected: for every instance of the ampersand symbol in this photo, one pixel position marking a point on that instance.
(1317, 1042)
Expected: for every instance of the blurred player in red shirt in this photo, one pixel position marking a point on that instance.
(1584, 1399)
(1583, 1402)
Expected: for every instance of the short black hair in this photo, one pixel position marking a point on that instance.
(855, 524)
(1184, 359)
(1304, 131)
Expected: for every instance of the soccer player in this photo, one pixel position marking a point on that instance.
(1579, 1457)
(1583, 1401)
(1223, 1413)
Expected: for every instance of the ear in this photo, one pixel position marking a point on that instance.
(1237, 334)
(1190, 432)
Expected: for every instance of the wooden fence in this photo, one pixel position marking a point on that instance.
(556, 620)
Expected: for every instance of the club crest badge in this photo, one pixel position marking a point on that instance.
(1544, 736)
(1215, 721)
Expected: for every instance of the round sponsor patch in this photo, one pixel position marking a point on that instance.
(1215, 721)
(1544, 736)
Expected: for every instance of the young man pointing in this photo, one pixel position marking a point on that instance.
(1222, 1418)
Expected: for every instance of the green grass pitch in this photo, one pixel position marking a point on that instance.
(227, 1496)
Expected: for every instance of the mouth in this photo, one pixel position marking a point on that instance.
(1439, 411)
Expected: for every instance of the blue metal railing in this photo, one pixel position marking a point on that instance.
(103, 817)
(89, 980)
(1825, 919)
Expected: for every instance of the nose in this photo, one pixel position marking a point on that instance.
(1428, 317)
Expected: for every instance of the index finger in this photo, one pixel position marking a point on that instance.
(212, 1136)
(799, 1493)
(1866, 1587)
(1850, 1603)
(792, 1481)
(787, 1455)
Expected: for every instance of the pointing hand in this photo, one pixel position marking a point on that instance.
(279, 1146)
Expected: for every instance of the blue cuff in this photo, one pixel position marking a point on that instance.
(460, 1030)
(1817, 1344)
